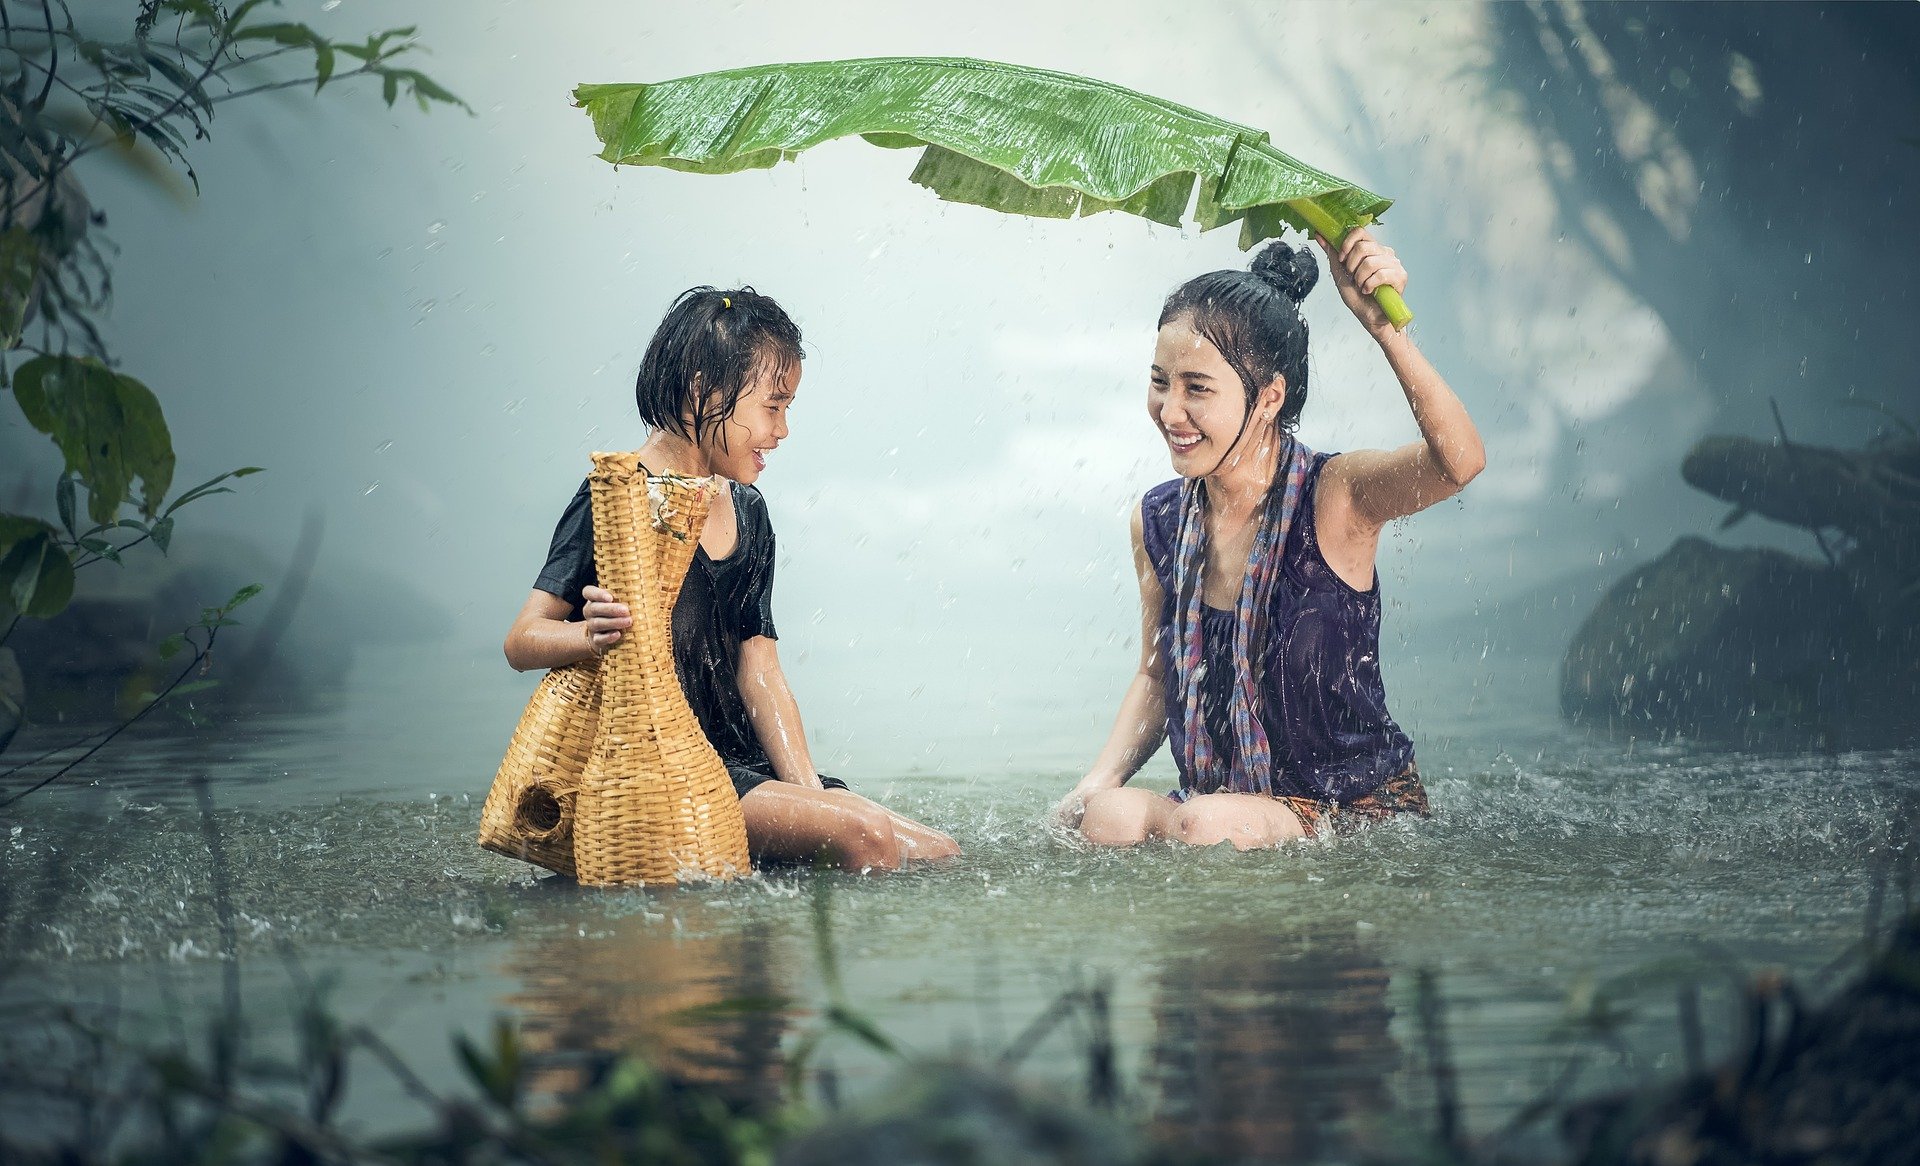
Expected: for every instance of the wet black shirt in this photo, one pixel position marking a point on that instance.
(722, 603)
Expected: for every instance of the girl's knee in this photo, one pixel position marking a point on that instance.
(867, 841)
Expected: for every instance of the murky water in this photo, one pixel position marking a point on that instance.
(1261, 1002)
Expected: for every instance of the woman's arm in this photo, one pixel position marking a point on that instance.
(542, 637)
(774, 712)
(1382, 485)
(1141, 724)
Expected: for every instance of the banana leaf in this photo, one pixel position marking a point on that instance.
(1009, 138)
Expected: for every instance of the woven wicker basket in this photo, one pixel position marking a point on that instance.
(655, 801)
(609, 778)
(529, 810)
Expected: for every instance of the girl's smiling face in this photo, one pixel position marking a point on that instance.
(737, 448)
(1197, 401)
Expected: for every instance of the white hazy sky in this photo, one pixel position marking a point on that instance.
(421, 324)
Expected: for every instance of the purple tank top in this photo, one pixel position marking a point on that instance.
(1323, 704)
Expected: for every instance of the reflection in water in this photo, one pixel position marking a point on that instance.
(699, 1005)
(1271, 1048)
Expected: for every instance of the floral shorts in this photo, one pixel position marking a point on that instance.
(1398, 795)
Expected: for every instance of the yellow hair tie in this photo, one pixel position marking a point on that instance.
(726, 302)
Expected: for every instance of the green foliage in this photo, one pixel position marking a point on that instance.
(36, 576)
(1024, 141)
(66, 94)
(108, 426)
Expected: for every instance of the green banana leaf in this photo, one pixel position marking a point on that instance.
(1024, 141)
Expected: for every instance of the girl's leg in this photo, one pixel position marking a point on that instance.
(1125, 816)
(920, 842)
(789, 823)
(1249, 821)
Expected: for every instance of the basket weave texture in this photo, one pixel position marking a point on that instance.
(529, 811)
(609, 778)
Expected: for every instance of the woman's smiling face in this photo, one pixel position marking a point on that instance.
(1196, 400)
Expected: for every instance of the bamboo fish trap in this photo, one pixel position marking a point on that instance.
(608, 777)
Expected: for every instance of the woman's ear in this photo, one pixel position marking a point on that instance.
(1272, 400)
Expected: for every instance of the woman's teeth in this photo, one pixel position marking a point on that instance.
(1179, 442)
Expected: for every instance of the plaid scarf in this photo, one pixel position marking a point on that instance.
(1251, 766)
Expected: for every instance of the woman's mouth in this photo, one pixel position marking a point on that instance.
(1182, 442)
(760, 460)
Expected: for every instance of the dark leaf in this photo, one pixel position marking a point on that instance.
(63, 498)
(284, 34)
(389, 87)
(859, 1026)
(108, 426)
(36, 576)
(188, 84)
(322, 65)
(162, 534)
(19, 264)
(170, 647)
(241, 596)
(101, 547)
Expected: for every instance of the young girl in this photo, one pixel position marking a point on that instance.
(714, 390)
(1260, 609)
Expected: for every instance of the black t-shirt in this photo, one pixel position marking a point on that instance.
(722, 603)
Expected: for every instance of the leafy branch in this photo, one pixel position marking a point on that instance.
(197, 638)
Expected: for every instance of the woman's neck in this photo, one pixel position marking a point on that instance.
(1236, 490)
(670, 453)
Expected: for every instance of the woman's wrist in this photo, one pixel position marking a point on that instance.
(1391, 339)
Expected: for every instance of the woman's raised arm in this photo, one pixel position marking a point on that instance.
(1383, 485)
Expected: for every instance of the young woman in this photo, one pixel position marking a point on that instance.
(1259, 605)
(714, 389)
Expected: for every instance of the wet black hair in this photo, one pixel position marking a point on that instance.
(703, 354)
(1253, 318)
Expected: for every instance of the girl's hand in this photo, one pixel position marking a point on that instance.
(1361, 265)
(606, 619)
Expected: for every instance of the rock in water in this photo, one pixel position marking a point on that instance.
(1717, 643)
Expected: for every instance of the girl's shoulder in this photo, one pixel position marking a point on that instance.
(750, 508)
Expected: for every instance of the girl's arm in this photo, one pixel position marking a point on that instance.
(1382, 485)
(542, 637)
(1141, 724)
(774, 712)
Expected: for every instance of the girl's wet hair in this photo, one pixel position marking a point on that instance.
(1253, 318)
(711, 344)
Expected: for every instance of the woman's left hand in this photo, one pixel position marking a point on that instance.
(1362, 264)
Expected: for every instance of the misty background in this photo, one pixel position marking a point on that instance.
(422, 324)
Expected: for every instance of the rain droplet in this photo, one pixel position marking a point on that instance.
(436, 226)
(383, 447)
(370, 489)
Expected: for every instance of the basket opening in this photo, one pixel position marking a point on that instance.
(538, 811)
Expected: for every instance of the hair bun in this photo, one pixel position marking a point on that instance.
(1290, 270)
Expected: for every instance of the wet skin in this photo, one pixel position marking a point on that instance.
(1219, 432)
(792, 819)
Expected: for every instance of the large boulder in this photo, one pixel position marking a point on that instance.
(1745, 646)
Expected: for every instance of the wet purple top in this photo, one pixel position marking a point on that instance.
(1323, 704)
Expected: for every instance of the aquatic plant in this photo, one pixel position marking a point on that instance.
(139, 95)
